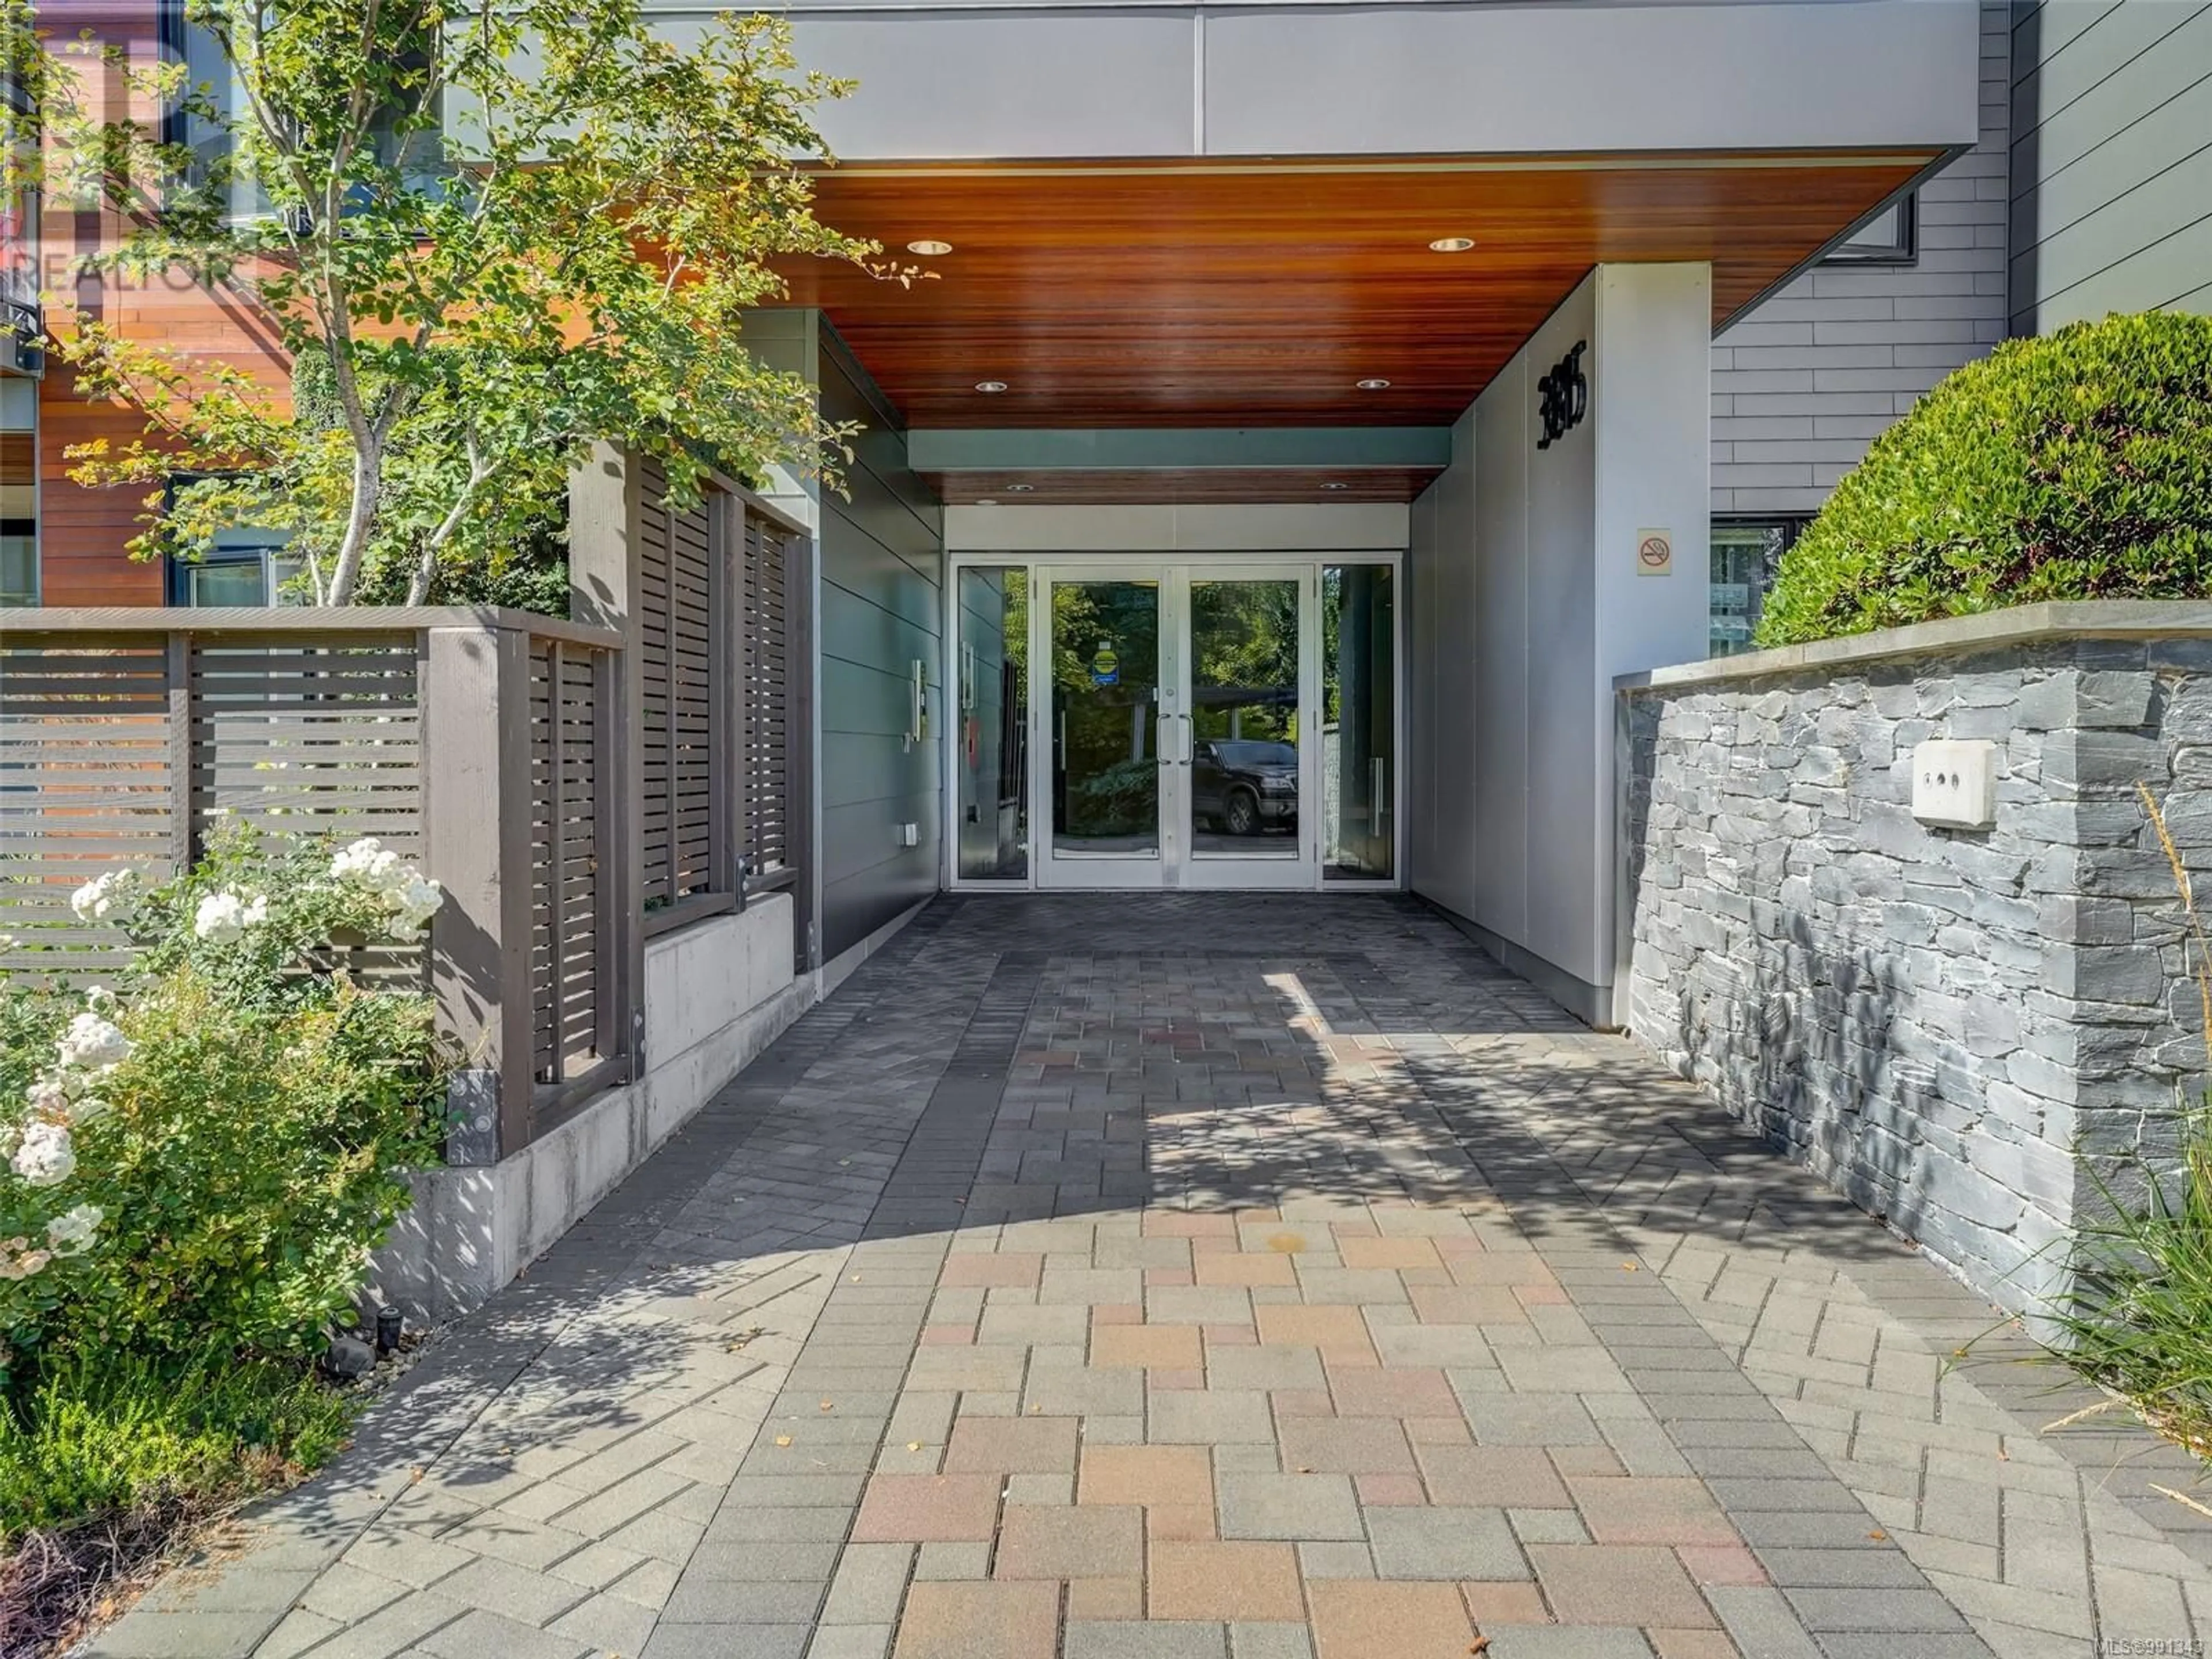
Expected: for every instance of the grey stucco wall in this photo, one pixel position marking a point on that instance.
(1805, 381)
(2111, 159)
(1937, 1021)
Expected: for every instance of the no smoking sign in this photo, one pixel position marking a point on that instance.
(1655, 553)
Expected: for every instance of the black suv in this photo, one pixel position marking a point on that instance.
(1245, 786)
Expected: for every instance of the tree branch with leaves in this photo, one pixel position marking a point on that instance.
(484, 239)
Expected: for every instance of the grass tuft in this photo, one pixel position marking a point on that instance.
(109, 1466)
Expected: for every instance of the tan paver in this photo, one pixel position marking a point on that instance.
(980, 1621)
(1356, 1619)
(1226, 1581)
(1155, 1303)
(1168, 1347)
(927, 1509)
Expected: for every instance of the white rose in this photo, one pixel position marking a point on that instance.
(49, 1096)
(101, 1001)
(46, 1159)
(86, 1109)
(368, 863)
(221, 918)
(91, 1040)
(112, 897)
(72, 1234)
(256, 912)
(419, 900)
(350, 860)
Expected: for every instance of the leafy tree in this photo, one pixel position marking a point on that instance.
(485, 236)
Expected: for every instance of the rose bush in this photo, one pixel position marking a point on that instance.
(201, 1159)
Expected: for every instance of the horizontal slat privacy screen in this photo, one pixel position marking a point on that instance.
(135, 745)
(129, 752)
(502, 750)
(682, 591)
(715, 662)
(574, 1025)
(765, 681)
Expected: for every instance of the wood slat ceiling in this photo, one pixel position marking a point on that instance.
(1181, 487)
(1164, 295)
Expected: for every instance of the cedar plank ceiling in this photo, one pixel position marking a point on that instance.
(1258, 293)
(1180, 486)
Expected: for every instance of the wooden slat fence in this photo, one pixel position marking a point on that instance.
(127, 736)
(771, 565)
(718, 630)
(574, 787)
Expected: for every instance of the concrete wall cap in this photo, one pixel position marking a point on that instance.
(2025, 624)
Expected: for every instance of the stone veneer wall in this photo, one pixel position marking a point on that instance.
(1937, 1021)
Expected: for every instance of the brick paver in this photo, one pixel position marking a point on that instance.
(1211, 1277)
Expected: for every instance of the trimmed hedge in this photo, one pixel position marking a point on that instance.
(2077, 467)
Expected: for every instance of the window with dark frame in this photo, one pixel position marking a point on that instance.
(1746, 552)
(1887, 238)
(19, 492)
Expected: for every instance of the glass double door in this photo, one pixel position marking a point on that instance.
(1178, 748)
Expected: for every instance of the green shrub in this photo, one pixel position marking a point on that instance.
(124, 1433)
(203, 1163)
(2077, 467)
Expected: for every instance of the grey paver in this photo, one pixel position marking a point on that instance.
(1444, 1543)
(1126, 1639)
(1289, 1506)
(636, 1471)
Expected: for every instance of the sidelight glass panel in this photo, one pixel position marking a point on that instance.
(1359, 721)
(994, 723)
(1105, 708)
(1244, 715)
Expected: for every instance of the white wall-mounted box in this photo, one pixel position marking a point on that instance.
(1954, 783)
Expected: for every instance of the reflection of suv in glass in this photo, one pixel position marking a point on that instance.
(1245, 786)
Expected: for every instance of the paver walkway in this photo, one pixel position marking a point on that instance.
(1211, 1278)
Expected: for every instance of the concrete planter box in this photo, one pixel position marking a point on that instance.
(1944, 1022)
(716, 995)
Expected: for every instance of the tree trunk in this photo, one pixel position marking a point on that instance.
(367, 478)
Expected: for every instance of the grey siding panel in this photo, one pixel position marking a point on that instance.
(883, 565)
(2161, 277)
(1803, 383)
(875, 766)
(2120, 101)
(2093, 246)
(2073, 63)
(2112, 165)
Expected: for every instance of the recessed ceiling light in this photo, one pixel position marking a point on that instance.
(1019, 490)
(986, 500)
(1441, 245)
(990, 388)
(1333, 484)
(928, 249)
(1374, 386)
